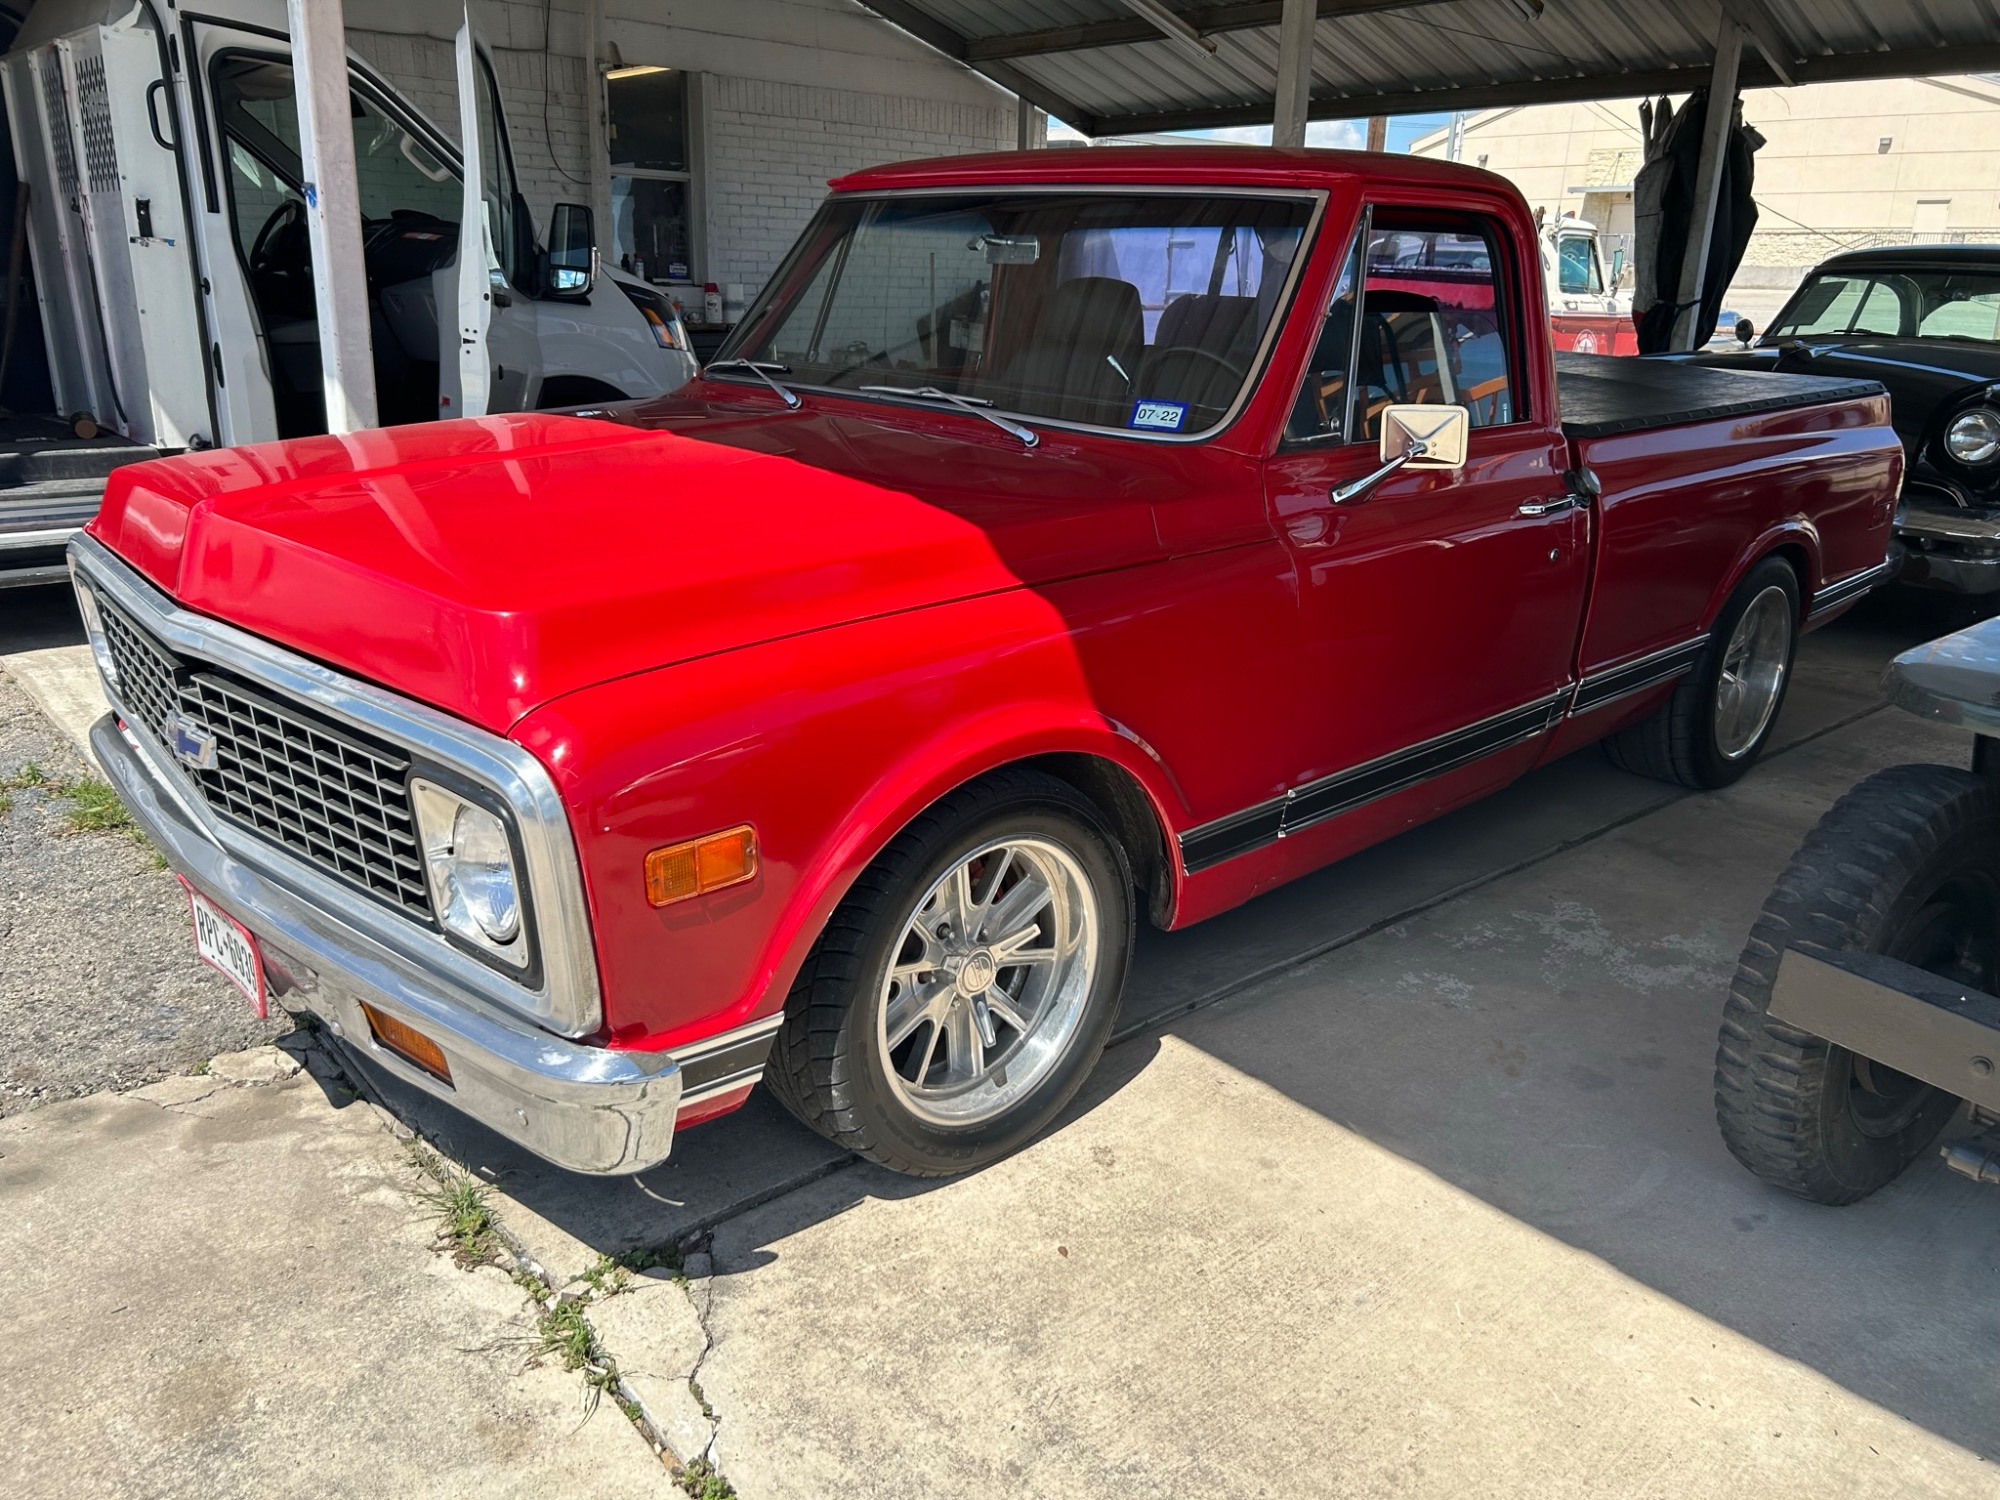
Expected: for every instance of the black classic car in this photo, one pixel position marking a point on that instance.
(1924, 320)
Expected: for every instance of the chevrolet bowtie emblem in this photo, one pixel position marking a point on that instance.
(192, 742)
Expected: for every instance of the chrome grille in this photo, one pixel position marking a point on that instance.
(339, 799)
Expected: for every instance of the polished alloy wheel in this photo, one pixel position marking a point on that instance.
(988, 984)
(1753, 673)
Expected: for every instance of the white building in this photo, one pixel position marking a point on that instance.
(1843, 165)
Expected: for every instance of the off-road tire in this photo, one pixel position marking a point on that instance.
(1677, 743)
(1885, 853)
(824, 1067)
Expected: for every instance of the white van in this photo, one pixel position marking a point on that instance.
(167, 228)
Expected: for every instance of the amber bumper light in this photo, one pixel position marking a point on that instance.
(407, 1043)
(681, 871)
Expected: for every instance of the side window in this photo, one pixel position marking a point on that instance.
(1321, 410)
(1434, 325)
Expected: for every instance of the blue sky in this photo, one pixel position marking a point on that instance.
(1402, 130)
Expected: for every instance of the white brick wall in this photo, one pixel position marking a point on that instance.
(772, 147)
(794, 92)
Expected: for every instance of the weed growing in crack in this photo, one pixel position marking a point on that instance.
(466, 1221)
(94, 807)
(701, 1400)
(700, 1480)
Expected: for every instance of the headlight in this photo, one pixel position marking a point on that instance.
(1974, 436)
(93, 628)
(469, 857)
(658, 313)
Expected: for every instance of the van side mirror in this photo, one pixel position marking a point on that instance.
(570, 269)
(1746, 331)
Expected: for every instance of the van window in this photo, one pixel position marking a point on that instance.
(258, 112)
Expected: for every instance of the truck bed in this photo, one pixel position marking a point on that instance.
(1603, 394)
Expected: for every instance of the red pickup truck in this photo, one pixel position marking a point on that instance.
(1064, 539)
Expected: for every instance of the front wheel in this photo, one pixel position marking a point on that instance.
(1907, 865)
(1716, 723)
(966, 986)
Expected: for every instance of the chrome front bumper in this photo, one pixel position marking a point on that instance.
(589, 1109)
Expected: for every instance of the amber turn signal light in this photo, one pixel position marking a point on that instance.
(681, 871)
(407, 1043)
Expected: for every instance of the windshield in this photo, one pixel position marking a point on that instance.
(1143, 312)
(1930, 304)
(1576, 265)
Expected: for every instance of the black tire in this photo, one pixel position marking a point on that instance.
(1677, 743)
(1907, 864)
(827, 1065)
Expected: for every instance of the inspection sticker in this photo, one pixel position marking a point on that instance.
(1159, 416)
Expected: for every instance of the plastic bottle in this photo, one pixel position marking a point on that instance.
(711, 303)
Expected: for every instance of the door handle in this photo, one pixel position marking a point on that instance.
(1550, 507)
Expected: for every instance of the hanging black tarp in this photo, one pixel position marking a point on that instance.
(1663, 218)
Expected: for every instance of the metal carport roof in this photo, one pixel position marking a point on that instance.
(1128, 66)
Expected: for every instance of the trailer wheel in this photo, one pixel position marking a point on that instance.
(1716, 723)
(1908, 865)
(965, 987)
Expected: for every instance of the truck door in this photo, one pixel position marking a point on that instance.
(1439, 609)
(489, 355)
(93, 120)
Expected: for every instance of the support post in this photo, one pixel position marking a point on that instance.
(1030, 126)
(1708, 177)
(333, 211)
(1295, 62)
(593, 111)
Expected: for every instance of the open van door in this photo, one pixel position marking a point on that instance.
(489, 356)
(97, 140)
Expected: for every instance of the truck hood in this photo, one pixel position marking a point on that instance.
(487, 566)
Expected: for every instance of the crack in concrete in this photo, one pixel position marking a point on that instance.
(699, 1268)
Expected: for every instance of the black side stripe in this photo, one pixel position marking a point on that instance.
(717, 1064)
(1850, 588)
(1267, 822)
(1601, 688)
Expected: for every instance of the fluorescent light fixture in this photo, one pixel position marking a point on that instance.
(637, 70)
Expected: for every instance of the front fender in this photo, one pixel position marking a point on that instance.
(827, 761)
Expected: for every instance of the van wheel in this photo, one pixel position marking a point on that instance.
(1716, 723)
(1908, 865)
(964, 989)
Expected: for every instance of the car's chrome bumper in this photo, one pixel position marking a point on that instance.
(590, 1109)
(1943, 547)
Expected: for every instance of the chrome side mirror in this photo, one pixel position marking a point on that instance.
(1413, 437)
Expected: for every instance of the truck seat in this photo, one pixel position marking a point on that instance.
(1085, 353)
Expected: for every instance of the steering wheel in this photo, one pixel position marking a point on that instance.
(285, 218)
(1227, 366)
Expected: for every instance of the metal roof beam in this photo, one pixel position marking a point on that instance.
(933, 33)
(1202, 21)
(1756, 74)
(1764, 35)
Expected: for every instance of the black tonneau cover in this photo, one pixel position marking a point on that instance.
(1604, 394)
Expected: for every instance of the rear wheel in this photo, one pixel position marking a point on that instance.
(964, 989)
(1716, 723)
(1908, 865)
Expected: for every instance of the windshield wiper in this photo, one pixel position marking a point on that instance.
(979, 406)
(763, 369)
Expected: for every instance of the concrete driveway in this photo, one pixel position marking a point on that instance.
(1403, 1180)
